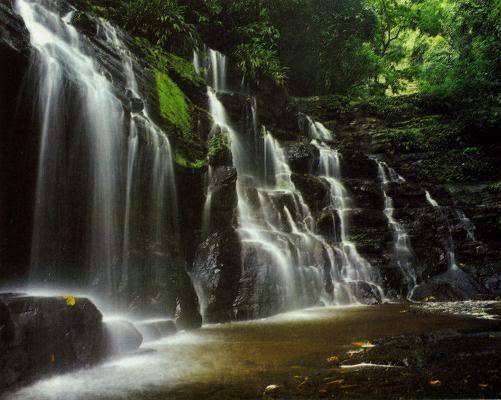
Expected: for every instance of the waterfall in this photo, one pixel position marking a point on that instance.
(451, 252)
(401, 242)
(275, 225)
(354, 268)
(94, 163)
(464, 222)
(315, 129)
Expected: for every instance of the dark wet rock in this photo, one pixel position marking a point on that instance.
(328, 223)
(223, 200)
(357, 165)
(216, 273)
(365, 292)
(302, 158)
(84, 23)
(189, 321)
(365, 194)
(136, 105)
(41, 336)
(121, 337)
(451, 285)
(315, 191)
(235, 104)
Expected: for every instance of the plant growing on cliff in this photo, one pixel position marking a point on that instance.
(162, 22)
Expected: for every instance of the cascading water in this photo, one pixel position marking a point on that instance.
(92, 203)
(275, 225)
(401, 242)
(315, 129)
(353, 267)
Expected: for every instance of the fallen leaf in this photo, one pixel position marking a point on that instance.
(333, 360)
(363, 344)
(70, 300)
(348, 386)
(483, 385)
(336, 382)
(303, 383)
(436, 382)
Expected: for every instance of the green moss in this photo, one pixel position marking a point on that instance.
(219, 143)
(175, 107)
(183, 68)
(495, 187)
(181, 160)
(173, 103)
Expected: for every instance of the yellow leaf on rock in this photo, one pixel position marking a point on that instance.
(70, 300)
(333, 359)
(363, 344)
(436, 382)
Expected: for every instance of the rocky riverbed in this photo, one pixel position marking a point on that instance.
(384, 351)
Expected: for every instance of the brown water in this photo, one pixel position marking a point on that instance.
(239, 360)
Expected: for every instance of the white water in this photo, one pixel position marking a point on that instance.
(353, 267)
(451, 252)
(92, 165)
(276, 227)
(317, 131)
(401, 242)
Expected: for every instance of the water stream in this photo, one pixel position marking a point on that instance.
(401, 242)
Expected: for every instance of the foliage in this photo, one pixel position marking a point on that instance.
(244, 30)
(322, 43)
(162, 22)
(217, 144)
(466, 55)
(439, 47)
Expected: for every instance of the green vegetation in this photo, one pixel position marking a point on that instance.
(173, 104)
(441, 55)
(219, 143)
(437, 47)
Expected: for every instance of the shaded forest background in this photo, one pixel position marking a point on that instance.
(355, 47)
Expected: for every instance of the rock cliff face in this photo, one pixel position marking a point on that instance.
(431, 147)
(414, 223)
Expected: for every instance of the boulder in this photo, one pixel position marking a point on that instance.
(120, 337)
(156, 329)
(303, 158)
(41, 336)
(216, 273)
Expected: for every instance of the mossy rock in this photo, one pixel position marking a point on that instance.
(219, 152)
